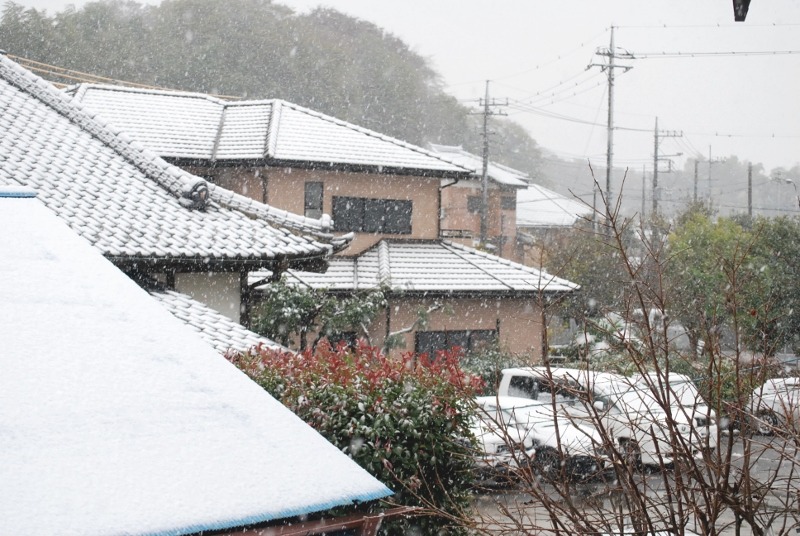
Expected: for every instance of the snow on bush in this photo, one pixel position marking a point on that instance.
(404, 419)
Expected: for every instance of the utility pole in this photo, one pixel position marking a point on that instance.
(612, 54)
(750, 190)
(658, 135)
(644, 188)
(711, 161)
(695, 180)
(487, 111)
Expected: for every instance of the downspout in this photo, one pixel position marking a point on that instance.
(439, 207)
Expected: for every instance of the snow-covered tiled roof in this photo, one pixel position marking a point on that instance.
(216, 329)
(430, 266)
(125, 199)
(497, 173)
(184, 125)
(539, 207)
(118, 419)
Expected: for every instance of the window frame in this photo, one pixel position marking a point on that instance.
(312, 207)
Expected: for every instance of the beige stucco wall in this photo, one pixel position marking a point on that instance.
(457, 217)
(286, 190)
(220, 291)
(518, 319)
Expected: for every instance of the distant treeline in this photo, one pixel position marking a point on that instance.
(255, 49)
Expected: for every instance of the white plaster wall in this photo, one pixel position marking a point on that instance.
(220, 291)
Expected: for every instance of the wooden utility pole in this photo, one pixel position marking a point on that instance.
(612, 54)
(658, 135)
(487, 111)
(644, 188)
(750, 189)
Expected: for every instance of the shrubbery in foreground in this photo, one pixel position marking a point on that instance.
(404, 419)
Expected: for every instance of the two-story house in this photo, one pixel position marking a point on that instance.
(185, 239)
(387, 192)
(462, 204)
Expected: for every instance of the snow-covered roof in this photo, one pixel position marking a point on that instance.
(216, 329)
(118, 419)
(430, 266)
(185, 125)
(125, 199)
(496, 172)
(539, 207)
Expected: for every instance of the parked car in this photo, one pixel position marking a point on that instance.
(559, 441)
(681, 393)
(635, 420)
(775, 403)
(502, 449)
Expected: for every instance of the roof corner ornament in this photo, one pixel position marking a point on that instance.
(195, 195)
(326, 223)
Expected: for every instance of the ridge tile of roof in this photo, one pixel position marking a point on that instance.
(185, 125)
(127, 200)
(432, 266)
(125, 421)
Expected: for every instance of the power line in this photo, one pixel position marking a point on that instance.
(80, 76)
(706, 26)
(657, 55)
(538, 66)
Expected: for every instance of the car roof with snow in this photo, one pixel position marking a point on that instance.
(599, 382)
(123, 420)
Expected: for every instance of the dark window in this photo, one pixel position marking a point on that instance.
(313, 200)
(508, 203)
(348, 213)
(349, 338)
(397, 217)
(474, 204)
(374, 210)
(524, 387)
(430, 342)
(363, 215)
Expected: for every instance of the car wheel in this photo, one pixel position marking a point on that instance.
(765, 423)
(547, 463)
(631, 453)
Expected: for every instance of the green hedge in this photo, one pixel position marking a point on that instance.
(404, 419)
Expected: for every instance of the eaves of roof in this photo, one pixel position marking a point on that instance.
(128, 201)
(323, 166)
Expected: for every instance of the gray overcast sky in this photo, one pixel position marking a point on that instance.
(535, 54)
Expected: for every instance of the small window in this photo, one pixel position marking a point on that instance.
(508, 203)
(313, 200)
(474, 204)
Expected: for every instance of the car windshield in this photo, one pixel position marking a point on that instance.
(640, 401)
(684, 392)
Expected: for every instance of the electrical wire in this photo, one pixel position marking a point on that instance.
(80, 76)
(670, 55)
